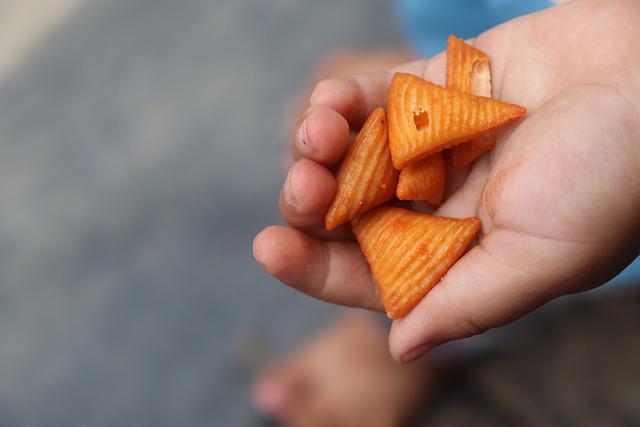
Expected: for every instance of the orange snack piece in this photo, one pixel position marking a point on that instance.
(410, 252)
(468, 70)
(423, 180)
(366, 177)
(425, 118)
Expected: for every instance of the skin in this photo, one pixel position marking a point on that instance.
(559, 196)
(329, 381)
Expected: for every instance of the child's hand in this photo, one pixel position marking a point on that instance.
(559, 196)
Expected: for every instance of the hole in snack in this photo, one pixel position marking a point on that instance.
(421, 119)
(481, 78)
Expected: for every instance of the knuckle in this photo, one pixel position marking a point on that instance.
(466, 324)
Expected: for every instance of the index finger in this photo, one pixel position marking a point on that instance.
(339, 104)
(355, 97)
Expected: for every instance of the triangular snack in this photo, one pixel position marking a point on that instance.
(410, 252)
(463, 155)
(423, 180)
(366, 177)
(425, 118)
(468, 70)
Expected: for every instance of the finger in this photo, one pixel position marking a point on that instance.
(331, 271)
(486, 288)
(352, 97)
(432, 69)
(356, 96)
(306, 194)
(466, 191)
(321, 135)
(305, 198)
(498, 44)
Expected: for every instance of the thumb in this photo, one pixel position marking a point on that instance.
(504, 277)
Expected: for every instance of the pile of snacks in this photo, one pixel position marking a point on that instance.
(401, 154)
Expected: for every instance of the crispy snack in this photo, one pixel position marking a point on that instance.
(423, 180)
(468, 70)
(425, 118)
(410, 252)
(366, 177)
(464, 154)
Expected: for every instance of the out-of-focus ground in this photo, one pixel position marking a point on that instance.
(140, 151)
(24, 24)
(571, 363)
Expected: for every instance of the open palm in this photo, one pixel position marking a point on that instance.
(558, 197)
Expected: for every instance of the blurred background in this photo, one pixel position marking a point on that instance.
(141, 149)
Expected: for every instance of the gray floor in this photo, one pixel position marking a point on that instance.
(140, 152)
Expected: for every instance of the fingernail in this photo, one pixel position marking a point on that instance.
(289, 196)
(414, 354)
(253, 249)
(302, 142)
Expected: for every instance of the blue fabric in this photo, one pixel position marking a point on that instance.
(631, 275)
(428, 23)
